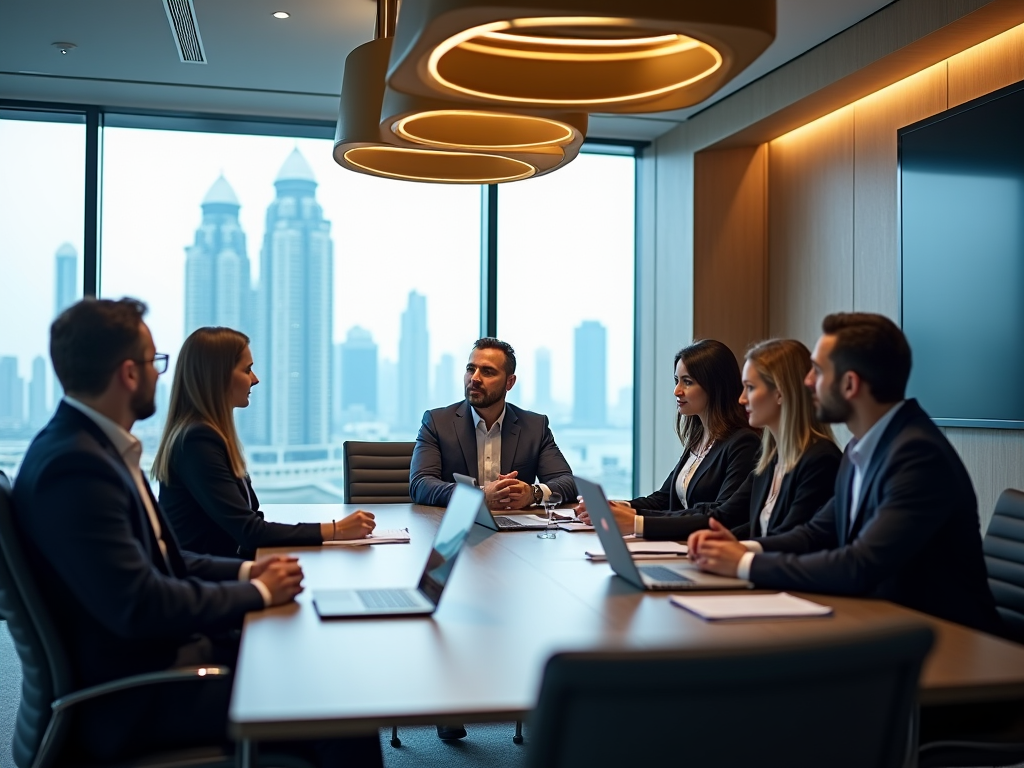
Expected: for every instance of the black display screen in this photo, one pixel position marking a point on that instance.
(962, 244)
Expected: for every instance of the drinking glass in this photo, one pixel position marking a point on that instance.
(549, 504)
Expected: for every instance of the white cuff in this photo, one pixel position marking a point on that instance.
(753, 546)
(264, 590)
(743, 567)
(547, 492)
(638, 526)
(243, 570)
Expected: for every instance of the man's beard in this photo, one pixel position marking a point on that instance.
(834, 410)
(488, 399)
(143, 404)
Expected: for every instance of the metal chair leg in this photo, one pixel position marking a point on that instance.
(518, 738)
(247, 754)
(395, 741)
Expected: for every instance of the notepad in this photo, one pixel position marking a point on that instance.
(646, 550)
(781, 605)
(379, 536)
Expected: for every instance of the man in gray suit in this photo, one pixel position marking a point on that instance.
(510, 451)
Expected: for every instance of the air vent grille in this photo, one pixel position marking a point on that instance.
(182, 16)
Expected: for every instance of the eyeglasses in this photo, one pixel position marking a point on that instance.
(159, 361)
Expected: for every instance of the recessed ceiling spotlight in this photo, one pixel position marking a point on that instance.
(64, 47)
(281, 14)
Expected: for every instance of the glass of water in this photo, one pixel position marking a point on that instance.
(549, 504)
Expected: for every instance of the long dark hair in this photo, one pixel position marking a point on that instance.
(712, 365)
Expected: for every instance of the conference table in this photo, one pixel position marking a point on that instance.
(512, 601)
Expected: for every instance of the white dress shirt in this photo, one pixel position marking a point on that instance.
(130, 449)
(488, 450)
(860, 453)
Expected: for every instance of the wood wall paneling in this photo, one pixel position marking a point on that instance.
(810, 230)
(730, 251)
(876, 270)
(987, 67)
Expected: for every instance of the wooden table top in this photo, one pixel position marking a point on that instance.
(512, 601)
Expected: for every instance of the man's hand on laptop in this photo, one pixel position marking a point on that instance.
(281, 575)
(621, 511)
(716, 550)
(508, 493)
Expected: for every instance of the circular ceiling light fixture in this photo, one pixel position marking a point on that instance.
(64, 47)
(584, 55)
(281, 15)
(394, 135)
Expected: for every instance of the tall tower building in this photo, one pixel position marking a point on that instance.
(67, 292)
(542, 379)
(38, 413)
(358, 374)
(413, 366)
(12, 394)
(590, 382)
(292, 334)
(218, 288)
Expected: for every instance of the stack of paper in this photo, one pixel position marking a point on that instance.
(778, 606)
(646, 550)
(379, 536)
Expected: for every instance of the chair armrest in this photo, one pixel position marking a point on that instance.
(175, 675)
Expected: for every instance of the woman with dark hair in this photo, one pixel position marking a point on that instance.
(796, 471)
(719, 448)
(205, 490)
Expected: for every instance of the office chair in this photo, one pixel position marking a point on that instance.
(48, 697)
(993, 735)
(839, 701)
(377, 473)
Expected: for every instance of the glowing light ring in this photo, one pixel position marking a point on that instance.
(401, 128)
(530, 170)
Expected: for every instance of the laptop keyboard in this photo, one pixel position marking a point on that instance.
(661, 573)
(386, 598)
(508, 522)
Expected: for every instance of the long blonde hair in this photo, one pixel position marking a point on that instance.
(783, 364)
(199, 395)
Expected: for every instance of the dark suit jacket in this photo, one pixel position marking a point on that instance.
(446, 444)
(118, 606)
(215, 513)
(716, 479)
(916, 539)
(804, 490)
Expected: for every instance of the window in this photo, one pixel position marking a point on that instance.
(360, 295)
(565, 303)
(42, 164)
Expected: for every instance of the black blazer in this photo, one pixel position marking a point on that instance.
(446, 444)
(215, 513)
(915, 541)
(805, 488)
(716, 479)
(120, 609)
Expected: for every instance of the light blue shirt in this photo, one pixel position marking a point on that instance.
(860, 453)
(488, 450)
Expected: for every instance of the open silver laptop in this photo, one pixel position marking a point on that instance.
(423, 600)
(674, 577)
(498, 522)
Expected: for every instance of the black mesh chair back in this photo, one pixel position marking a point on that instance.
(45, 670)
(377, 473)
(841, 701)
(1004, 560)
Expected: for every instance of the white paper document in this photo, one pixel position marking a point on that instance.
(781, 605)
(379, 536)
(646, 550)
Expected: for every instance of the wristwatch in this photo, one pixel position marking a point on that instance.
(538, 494)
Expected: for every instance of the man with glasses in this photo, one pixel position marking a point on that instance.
(126, 599)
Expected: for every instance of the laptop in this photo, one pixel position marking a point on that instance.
(669, 577)
(422, 600)
(501, 522)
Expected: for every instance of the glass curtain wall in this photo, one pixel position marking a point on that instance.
(42, 214)
(566, 263)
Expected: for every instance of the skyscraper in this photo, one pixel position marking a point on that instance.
(292, 333)
(413, 366)
(358, 375)
(12, 394)
(590, 382)
(218, 289)
(542, 381)
(67, 292)
(387, 392)
(38, 413)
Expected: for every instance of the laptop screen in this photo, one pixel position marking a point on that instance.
(451, 535)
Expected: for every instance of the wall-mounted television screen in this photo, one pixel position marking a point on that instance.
(962, 253)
